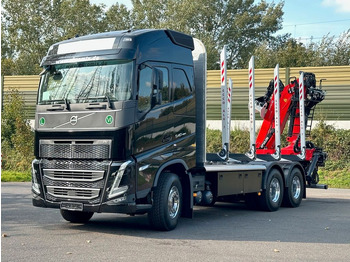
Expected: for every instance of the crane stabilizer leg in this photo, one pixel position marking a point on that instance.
(225, 108)
(251, 76)
(302, 116)
(276, 92)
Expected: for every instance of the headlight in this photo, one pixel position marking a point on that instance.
(116, 190)
(35, 184)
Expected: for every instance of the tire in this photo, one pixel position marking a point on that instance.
(167, 203)
(294, 193)
(271, 197)
(76, 216)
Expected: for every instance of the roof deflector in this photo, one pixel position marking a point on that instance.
(180, 39)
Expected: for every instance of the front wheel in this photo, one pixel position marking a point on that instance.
(295, 191)
(271, 198)
(76, 216)
(167, 203)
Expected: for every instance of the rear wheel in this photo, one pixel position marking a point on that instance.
(76, 216)
(271, 198)
(294, 193)
(167, 203)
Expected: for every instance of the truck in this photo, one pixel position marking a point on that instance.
(120, 127)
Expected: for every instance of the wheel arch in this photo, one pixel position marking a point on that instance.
(179, 167)
(269, 167)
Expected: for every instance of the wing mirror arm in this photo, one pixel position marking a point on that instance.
(157, 85)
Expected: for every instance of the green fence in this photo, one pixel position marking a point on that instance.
(336, 106)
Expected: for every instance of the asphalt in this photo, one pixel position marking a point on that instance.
(318, 230)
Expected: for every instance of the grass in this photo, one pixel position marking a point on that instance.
(335, 178)
(14, 176)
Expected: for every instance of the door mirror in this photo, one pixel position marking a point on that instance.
(157, 85)
(57, 76)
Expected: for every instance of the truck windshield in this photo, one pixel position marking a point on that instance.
(87, 81)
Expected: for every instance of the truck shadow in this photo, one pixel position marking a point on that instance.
(235, 222)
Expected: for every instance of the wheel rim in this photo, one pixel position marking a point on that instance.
(275, 190)
(173, 202)
(296, 187)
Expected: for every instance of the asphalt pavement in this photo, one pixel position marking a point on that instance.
(318, 230)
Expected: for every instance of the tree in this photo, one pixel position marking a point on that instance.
(288, 52)
(118, 17)
(283, 50)
(16, 136)
(241, 25)
(332, 51)
(30, 27)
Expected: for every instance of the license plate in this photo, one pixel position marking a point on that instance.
(72, 206)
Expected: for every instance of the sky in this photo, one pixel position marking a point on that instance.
(303, 19)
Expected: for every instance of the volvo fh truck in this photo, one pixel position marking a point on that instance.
(120, 127)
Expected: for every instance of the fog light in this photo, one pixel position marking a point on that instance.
(116, 190)
(35, 184)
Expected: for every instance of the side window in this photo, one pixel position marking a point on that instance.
(165, 89)
(145, 89)
(181, 85)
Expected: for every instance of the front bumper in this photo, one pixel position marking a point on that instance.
(113, 206)
(53, 186)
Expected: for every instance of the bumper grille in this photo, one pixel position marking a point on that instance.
(96, 149)
(75, 164)
(83, 184)
(72, 175)
(50, 182)
(73, 193)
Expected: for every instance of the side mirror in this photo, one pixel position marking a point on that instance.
(157, 85)
(57, 76)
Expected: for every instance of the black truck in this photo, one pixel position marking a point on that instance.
(120, 127)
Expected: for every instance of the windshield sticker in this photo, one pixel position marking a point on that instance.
(42, 121)
(109, 119)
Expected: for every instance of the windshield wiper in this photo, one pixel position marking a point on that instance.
(110, 104)
(58, 106)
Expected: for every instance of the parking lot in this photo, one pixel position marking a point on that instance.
(319, 230)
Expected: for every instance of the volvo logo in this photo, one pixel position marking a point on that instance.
(74, 120)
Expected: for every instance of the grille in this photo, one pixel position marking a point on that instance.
(73, 193)
(97, 149)
(80, 184)
(54, 199)
(50, 182)
(72, 175)
(75, 164)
